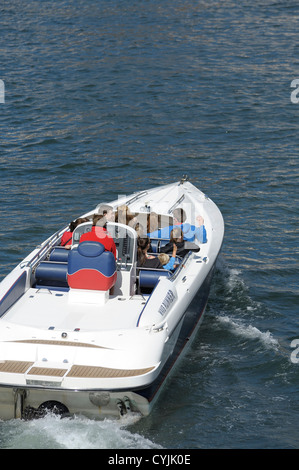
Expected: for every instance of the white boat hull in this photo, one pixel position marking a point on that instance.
(118, 358)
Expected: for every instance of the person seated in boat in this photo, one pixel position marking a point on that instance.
(123, 215)
(99, 234)
(191, 232)
(144, 260)
(167, 261)
(183, 246)
(152, 222)
(107, 212)
(157, 224)
(139, 229)
(66, 239)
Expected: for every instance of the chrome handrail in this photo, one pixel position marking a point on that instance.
(176, 204)
(137, 196)
(44, 247)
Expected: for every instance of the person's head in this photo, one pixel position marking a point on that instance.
(139, 230)
(179, 215)
(82, 220)
(123, 215)
(107, 211)
(143, 244)
(77, 222)
(152, 222)
(72, 225)
(99, 220)
(164, 258)
(176, 235)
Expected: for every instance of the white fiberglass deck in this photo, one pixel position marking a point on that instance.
(43, 308)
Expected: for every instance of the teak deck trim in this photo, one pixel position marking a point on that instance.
(15, 367)
(91, 372)
(82, 372)
(50, 372)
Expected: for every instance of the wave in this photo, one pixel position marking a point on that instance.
(233, 308)
(249, 332)
(53, 432)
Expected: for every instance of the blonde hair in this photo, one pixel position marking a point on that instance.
(164, 258)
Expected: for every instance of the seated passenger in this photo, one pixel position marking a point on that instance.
(139, 230)
(123, 215)
(183, 246)
(168, 262)
(99, 234)
(107, 211)
(152, 222)
(191, 232)
(66, 239)
(143, 259)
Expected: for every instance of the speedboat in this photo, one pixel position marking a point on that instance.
(103, 347)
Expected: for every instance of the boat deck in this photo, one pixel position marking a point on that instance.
(22, 367)
(50, 309)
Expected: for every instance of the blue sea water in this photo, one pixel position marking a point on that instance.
(103, 98)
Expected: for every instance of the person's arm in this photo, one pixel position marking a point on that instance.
(171, 262)
(201, 233)
(174, 250)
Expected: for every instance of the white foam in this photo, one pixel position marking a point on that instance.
(249, 331)
(52, 432)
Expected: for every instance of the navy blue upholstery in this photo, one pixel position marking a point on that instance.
(154, 245)
(59, 254)
(148, 278)
(13, 293)
(90, 249)
(51, 274)
(157, 243)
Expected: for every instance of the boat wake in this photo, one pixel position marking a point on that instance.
(240, 328)
(53, 432)
(235, 311)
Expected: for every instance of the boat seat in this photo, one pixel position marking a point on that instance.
(51, 274)
(59, 253)
(148, 278)
(157, 243)
(91, 267)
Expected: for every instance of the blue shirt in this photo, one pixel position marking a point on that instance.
(170, 263)
(190, 232)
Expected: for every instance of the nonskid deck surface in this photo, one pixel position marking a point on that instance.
(50, 309)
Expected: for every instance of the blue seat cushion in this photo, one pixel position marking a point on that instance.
(90, 249)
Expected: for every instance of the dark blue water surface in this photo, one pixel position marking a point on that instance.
(104, 98)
